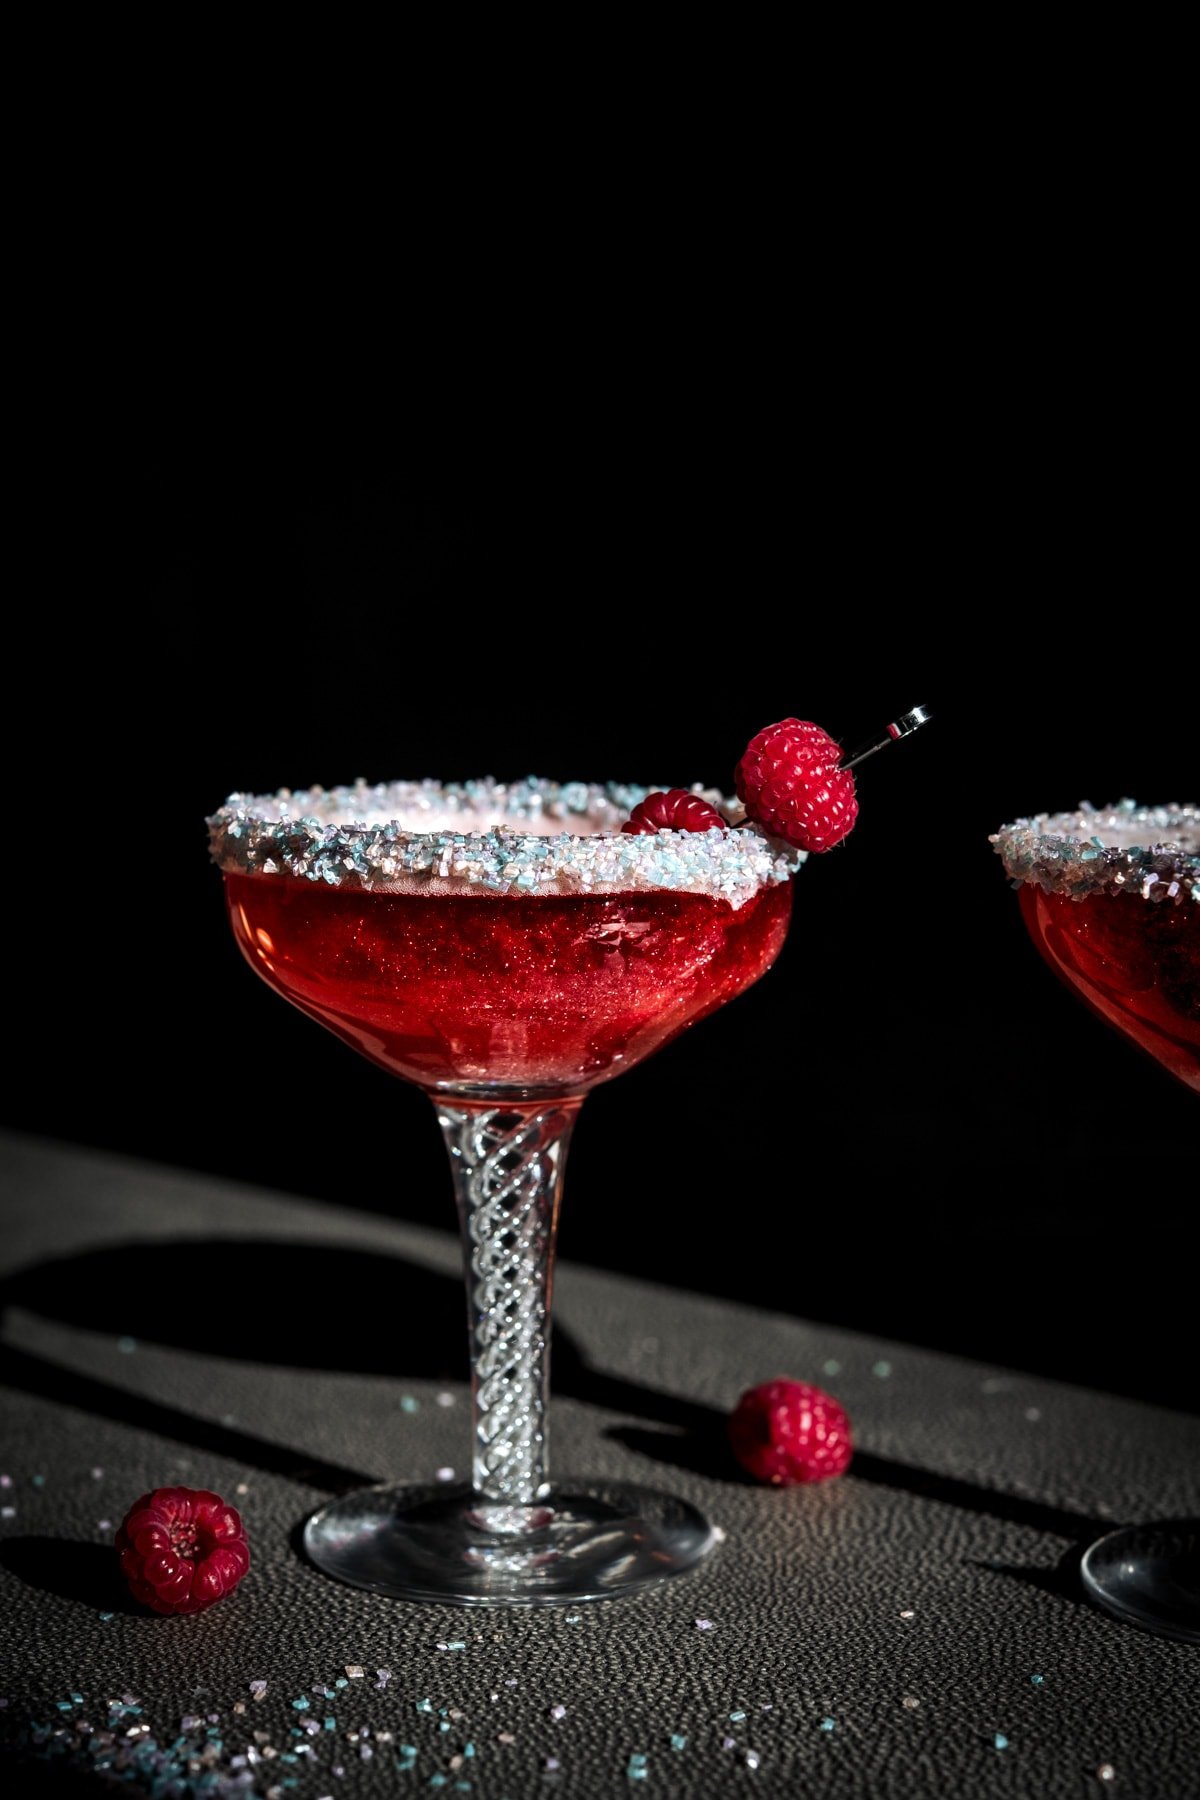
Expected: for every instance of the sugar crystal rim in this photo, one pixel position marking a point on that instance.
(530, 837)
(1152, 852)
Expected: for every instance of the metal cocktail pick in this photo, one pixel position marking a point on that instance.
(906, 723)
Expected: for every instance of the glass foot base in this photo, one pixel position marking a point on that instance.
(587, 1541)
(1149, 1575)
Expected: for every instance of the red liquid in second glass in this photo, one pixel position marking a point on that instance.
(553, 993)
(1135, 963)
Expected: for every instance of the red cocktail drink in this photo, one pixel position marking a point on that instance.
(505, 949)
(546, 994)
(1110, 898)
(1135, 964)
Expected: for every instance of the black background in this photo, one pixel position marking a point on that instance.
(907, 1127)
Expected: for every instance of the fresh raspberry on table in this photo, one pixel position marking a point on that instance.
(676, 810)
(181, 1549)
(788, 780)
(789, 1432)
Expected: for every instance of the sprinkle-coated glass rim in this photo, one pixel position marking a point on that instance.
(529, 837)
(1151, 852)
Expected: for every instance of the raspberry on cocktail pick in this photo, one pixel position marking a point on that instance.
(793, 779)
(181, 1549)
(789, 780)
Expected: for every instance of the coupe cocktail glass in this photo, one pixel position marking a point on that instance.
(1111, 898)
(505, 949)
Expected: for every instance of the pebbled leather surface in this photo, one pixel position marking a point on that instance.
(165, 1327)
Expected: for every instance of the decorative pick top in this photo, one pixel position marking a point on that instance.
(792, 778)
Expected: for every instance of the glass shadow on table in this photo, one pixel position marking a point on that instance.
(380, 1315)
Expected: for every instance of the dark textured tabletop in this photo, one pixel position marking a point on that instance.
(914, 1628)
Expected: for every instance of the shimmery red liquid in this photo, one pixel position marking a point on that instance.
(1135, 963)
(548, 994)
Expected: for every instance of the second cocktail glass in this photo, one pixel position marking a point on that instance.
(1108, 895)
(505, 949)
(1111, 898)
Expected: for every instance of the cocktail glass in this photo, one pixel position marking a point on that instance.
(1111, 898)
(506, 949)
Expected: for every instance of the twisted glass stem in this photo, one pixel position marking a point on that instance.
(507, 1164)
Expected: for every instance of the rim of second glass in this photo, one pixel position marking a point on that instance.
(1150, 851)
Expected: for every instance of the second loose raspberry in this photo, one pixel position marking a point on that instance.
(789, 1432)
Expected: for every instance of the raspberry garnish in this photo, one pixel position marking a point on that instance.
(788, 1432)
(181, 1549)
(789, 781)
(676, 810)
